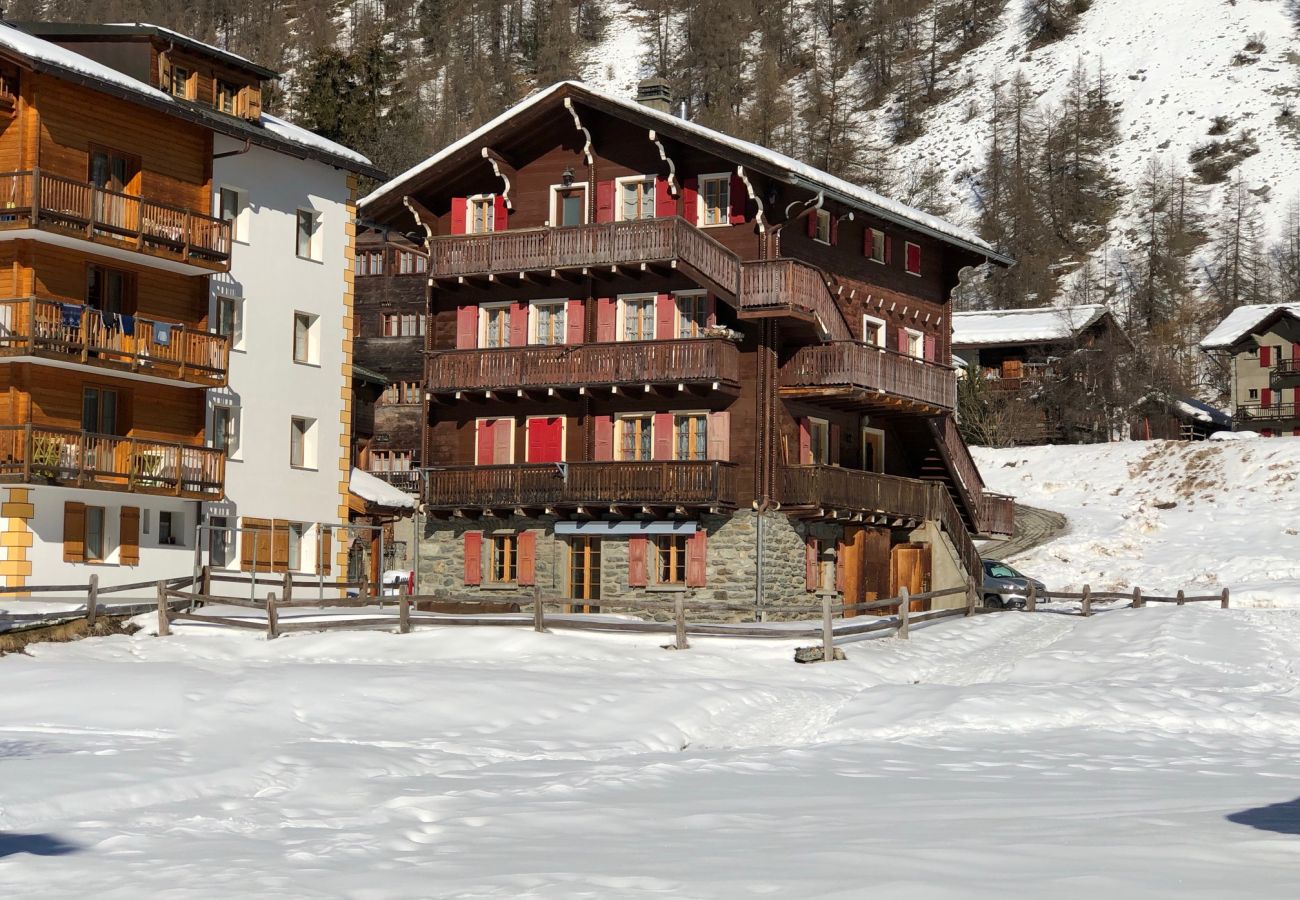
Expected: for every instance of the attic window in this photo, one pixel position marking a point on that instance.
(227, 98)
(180, 86)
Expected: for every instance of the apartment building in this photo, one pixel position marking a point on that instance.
(1259, 345)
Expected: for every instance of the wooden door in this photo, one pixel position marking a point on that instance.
(546, 439)
(909, 567)
(584, 574)
(851, 562)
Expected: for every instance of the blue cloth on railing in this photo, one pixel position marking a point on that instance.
(70, 315)
(128, 325)
(162, 334)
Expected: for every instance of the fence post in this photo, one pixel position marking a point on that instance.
(272, 618)
(1223, 604)
(92, 601)
(1138, 602)
(164, 621)
(679, 616)
(539, 614)
(205, 585)
(1181, 600)
(828, 629)
(972, 599)
(904, 607)
(288, 587)
(404, 615)
(1087, 600)
(1031, 599)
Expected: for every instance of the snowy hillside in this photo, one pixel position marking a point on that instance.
(1163, 515)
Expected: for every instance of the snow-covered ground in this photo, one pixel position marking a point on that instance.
(1163, 515)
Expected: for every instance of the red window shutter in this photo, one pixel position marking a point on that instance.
(812, 224)
(889, 249)
(459, 206)
(931, 347)
(605, 201)
(805, 443)
(720, 435)
(575, 321)
(1295, 351)
(810, 554)
(663, 436)
(603, 430)
(690, 200)
(526, 571)
(486, 431)
(665, 317)
(665, 205)
(1266, 397)
(1295, 432)
(473, 557)
(868, 242)
(738, 198)
(835, 229)
(902, 340)
(636, 561)
(606, 319)
(914, 259)
(519, 324)
(466, 327)
(697, 559)
(500, 215)
(839, 566)
(1264, 357)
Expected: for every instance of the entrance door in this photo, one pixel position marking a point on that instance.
(584, 574)
(546, 439)
(570, 206)
(909, 567)
(864, 555)
(873, 450)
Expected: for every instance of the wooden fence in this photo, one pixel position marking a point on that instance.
(93, 606)
(1135, 599)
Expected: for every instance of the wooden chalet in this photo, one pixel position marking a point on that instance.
(660, 358)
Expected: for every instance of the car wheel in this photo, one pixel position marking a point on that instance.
(993, 601)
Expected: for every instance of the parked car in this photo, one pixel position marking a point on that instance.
(999, 579)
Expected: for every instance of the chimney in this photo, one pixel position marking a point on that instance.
(656, 94)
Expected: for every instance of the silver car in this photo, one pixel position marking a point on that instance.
(1000, 579)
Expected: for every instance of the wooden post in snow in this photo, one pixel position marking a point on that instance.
(971, 599)
(679, 616)
(539, 614)
(1087, 600)
(288, 587)
(92, 601)
(404, 614)
(272, 618)
(1223, 604)
(164, 621)
(206, 582)
(1181, 597)
(828, 628)
(1031, 599)
(904, 607)
(1138, 602)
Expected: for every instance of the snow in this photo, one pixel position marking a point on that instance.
(377, 491)
(1232, 517)
(1022, 326)
(1241, 322)
(298, 135)
(1203, 412)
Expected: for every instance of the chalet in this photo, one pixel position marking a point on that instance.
(1259, 346)
(662, 359)
(151, 293)
(1166, 417)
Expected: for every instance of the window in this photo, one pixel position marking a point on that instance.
(296, 530)
(912, 258)
(873, 450)
(309, 235)
(110, 290)
(670, 559)
(691, 436)
(1252, 394)
(170, 528)
(404, 393)
(96, 540)
(481, 214)
(180, 82)
(390, 461)
(225, 429)
(231, 209)
(548, 322)
(715, 199)
(819, 443)
(408, 263)
(873, 331)
(570, 206)
(915, 343)
(875, 245)
(584, 574)
(638, 318)
(823, 229)
(692, 314)
(305, 342)
(503, 566)
(99, 411)
(494, 325)
(370, 262)
(302, 443)
(229, 320)
(634, 436)
(402, 324)
(227, 97)
(220, 542)
(636, 198)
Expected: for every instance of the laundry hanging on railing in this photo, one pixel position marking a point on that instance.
(70, 315)
(128, 325)
(162, 334)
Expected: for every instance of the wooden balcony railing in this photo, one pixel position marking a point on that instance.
(790, 286)
(538, 485)
(404, 479)
(79, 333)
(686, 361)
(997, 514)
(851, 364)
(32, 454)
(38, 199)
(1286, 371)
(1253, 412)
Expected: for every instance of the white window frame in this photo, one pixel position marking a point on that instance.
(618, 196)
(236, 337)
(812, 444)
(483, 309)
(554, 220)
(866, 430)
(316, 242)
(239, 224)
(919, 338)
(877, 246)
(491, 200)
(106, 546)
(1252, 393)
(678, 318)
(313, 338)
(233, 446)
(478, 424)
(879, 323)
(564, 435)
(310, 451)
(704, 414)
(175, 527)
(823, 217)
(700, 208)
(620, 322)
(907, 245)
(534, 316)
(619, 419)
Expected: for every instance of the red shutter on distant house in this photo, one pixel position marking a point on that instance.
(526, 565)
(473, 557)
(889, 249)
(1264, 357)
(484, 432)
(575, 322)
(835, 229)
(663, 436)
(690, 200)
(1265, 397)
(805, 443)
(606, 319)
(931, 347)
(697, 559)
(605, 201)
(913, 259)
(519, 324)
(665, 317)
(720, 435)
(466, 326)
(812, 224)
(738, 198)
(636, 561)
(459, 207)
(810, 554)
(665, 205)
(500, 215)
(603, 432)
(868, 242)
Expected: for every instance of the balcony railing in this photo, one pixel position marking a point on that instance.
(37, 199)
(791, 287)
(78, 333)
(852, 365)
(1286, 373)
(997, 514)
(540, 485)
(1253, 412)
(404, 479)
(686, 361)
(31, 454)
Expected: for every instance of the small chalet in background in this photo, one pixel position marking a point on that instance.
(1259, 345)
(1165, 417)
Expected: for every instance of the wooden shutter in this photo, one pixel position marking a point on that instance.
(665, 205)
(503, 441)
(473, 557)
(691, 200)
(519, 324)
(835, 229)
(255, 544)
(605, 201)
(280, 546)
(574, 322)
(810, 554)
(738, 198)
(812, 224)
(466, 326)
(129, 536)
(500, 214)
(526, 571)
(636, 561)
(665, 317)
(459, 207)
(902, 340)
(914, 258)
(606, 319)
(483, 430)
(720, 435)
(805, 442)
(325, 551)
(931, 347)
(696, 559)
(868, 242)
(74, 532)
(1264, 357)
(889, 249)
(663, 436)
(603, 429)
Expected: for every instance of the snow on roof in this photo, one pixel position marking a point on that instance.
(1241, 322)
(211, 48)
(823, 180)
(377, 491)
(1203, 412)
(299, 135)
(1023, 326)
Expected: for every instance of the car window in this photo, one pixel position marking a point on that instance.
(1001, 570)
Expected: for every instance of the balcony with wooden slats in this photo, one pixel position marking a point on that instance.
(71, 332)
(1285, 374)
(32, 454)
(705, 363)
(852, 374)
(582, 487)
(403, 479)
(41, 201)
(1255, 414)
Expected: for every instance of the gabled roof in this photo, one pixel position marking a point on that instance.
(773, 164)
(1043, 325)
(1246, 320)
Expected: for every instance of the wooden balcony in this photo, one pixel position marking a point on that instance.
(984, 512)
(1252, 413)
(1286, 374)
(856, 374)
(76, 333)
(788, 287)
(619, 487)
(31, 454)
(998, 514)
(404, 480)
(704, 362)
(52, 203)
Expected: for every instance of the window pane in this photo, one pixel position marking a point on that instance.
(94, 532)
